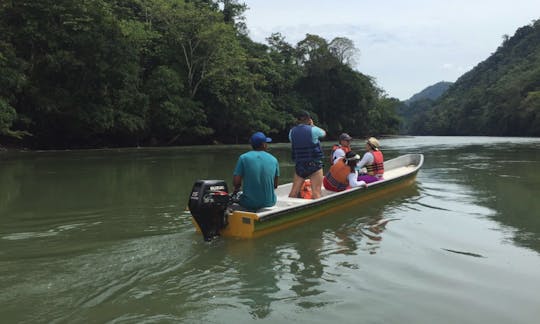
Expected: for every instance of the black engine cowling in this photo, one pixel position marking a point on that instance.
(208, 204)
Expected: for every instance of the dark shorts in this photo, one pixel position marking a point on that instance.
(305, 169)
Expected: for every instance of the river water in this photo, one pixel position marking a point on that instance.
(100, 236)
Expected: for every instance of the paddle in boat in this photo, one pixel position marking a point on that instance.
(214, 214)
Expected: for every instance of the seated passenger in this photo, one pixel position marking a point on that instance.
(373, 161)
(257, 172)
(342, 175)
(339, 150)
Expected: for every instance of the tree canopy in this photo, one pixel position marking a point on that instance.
(170, 72)
(499, 97)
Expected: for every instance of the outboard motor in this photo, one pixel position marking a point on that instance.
(208, 203)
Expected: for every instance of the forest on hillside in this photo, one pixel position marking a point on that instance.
(498, 97)
(105, 73)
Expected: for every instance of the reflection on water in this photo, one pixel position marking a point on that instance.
(298, 272)
(100, 236)
(501, 182)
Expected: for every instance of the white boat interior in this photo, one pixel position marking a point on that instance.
(394, 168)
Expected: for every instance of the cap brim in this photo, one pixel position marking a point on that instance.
(268, 140)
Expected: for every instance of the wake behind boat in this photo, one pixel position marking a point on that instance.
(213, 215)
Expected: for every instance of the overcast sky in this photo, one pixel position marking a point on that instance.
(406, 45)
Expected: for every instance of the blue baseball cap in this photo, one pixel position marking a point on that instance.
(258, 138)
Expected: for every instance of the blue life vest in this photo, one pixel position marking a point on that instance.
(303, 148)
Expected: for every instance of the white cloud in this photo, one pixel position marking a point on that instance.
(455, 68)
(405, 45)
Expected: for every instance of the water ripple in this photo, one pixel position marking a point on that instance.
(476, 255)
(51, 232)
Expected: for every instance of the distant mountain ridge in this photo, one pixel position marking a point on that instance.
(498, 97)
(433, 92)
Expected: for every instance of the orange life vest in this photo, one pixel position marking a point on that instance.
(345, 149)
(377, 167)
(337, 176)
(305, 191)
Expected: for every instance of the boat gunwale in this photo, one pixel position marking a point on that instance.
(271, 215)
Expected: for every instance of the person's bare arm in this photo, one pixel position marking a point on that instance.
(237, 182)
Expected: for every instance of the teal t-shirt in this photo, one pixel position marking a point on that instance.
(258, 170)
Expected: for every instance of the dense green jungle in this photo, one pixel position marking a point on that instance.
(498, 97)
(108, 73)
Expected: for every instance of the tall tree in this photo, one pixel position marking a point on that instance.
(202, 46)
(340, 96)
(344, 50)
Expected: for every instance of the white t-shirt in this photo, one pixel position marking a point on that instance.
(367, 159)
(338, 154)
(353, 180)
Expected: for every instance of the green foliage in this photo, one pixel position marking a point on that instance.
(173, 118)
(163, 72)
(413, 116)
(383, 117)
(343, 99)
(7, 116)
(343, 49)
(498, 97)
(12, 80)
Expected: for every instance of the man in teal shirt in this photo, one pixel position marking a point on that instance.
(257, 172)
